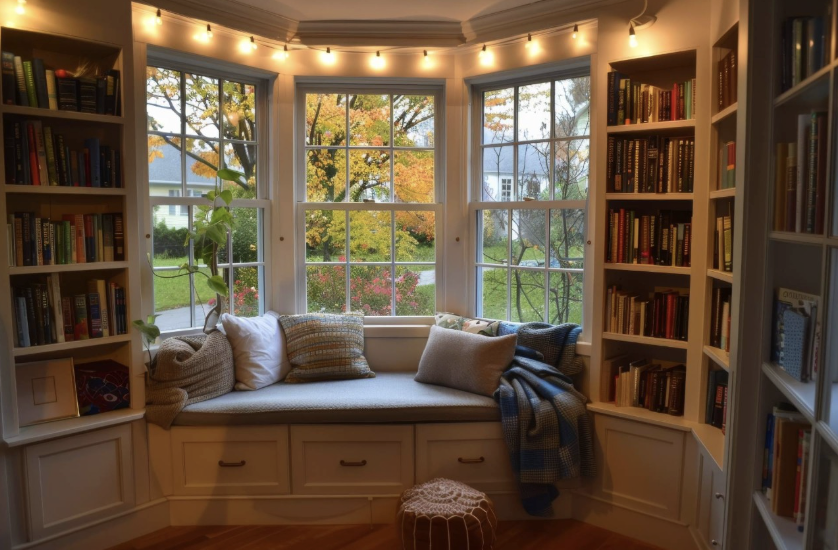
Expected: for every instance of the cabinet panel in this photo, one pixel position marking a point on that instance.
(717, 509)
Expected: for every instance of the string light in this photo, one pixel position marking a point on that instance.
(529, 41)
(328, 57)
(159, 18)
(427, 58)
(282, 55)
(377, 62)
(20, 9)
(632, 37)
(483, 52)
(252, 43)
(209, 31)
(575, 31)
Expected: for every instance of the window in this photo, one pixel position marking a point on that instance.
(532, 188)
(199, 122)
(369, 177)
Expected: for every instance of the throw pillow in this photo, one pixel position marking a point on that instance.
(325, 346)
(506, 327)
(465, 361)
(466, 324)
(258, 350)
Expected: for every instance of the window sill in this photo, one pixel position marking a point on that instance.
(583, 348)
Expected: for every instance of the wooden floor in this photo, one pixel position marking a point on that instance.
(512, 535)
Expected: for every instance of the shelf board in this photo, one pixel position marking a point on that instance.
(783, 531)
(649, 196)
(649, 127)
(801, 394)
(648, 268)
(723, 193)
(56, 114)
(68, 426)
(797, 238)
(718, 356)
(724, 276)
(803, 86)
(62, 190)
(724, 113)
(661, 342)
(67, 346)
(41, 269)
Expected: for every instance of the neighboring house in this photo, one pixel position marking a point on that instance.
(165, 179)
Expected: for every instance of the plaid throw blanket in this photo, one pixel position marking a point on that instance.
(546, 427)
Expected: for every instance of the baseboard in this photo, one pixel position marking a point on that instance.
(140, 521)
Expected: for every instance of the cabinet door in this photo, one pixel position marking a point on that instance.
(717, 509)
(77, 480)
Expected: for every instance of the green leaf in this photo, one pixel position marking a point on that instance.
(217, 234)
(149, 330)
(227, 196)
(217, 285)
(232, 175)
(211, 195)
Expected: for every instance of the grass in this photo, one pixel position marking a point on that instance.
(173, 292)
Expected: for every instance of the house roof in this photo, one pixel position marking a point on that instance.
(166, 168)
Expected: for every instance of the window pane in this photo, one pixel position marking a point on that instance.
(564, 301)
(326, 175)
(370, 236)
(325, 119)
(413, 172)
(239, 111)
(413, 120)
(247, 234)
(206, 297)
(201, 164)
(241, 157)
(246, 291)
(369, 120)
(370, 289)
(168, 237)
(498, 116)
(527, 295)
(573, 100)
(529, 232)
(171, 300)
(571, 169)
(534, 111)
(495, 237)
(164, 165)
(325, 236)
(202, 104)
(415, 290)
(415, 237)
(163, 100)
(369, 175)
(533, 171)
(498, 173)
(567, 238)
(493, 292)
(326, 288)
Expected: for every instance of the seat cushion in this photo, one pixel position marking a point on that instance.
(389, 397)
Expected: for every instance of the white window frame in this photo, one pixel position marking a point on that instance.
(366, 86)
(576, 68)
(262, 202)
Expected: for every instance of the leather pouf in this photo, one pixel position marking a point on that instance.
(444, 514)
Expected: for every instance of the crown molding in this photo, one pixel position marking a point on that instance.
(434, 34)
(233, 14)
(530, 17)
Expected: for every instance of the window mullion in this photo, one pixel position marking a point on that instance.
(509, 265)
(346, 258)
(393, 260)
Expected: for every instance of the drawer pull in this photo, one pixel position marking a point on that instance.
(231, 464)
(345, 463)
(714, 542)
(462, 460)
(720, 496)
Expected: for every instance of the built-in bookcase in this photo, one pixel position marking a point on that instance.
(53, 202)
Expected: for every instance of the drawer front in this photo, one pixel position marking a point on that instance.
(242, 460)
(351, 460)
(474, 453)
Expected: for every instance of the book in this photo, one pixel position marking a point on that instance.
(807, 304)
(800, 178)
(68, 315)
(81, 330)
(20, 79)
(29, 77)
(7, 62)
(52, 90)
(55, 300)
(40, 76)
(100, 288)
(785, 466)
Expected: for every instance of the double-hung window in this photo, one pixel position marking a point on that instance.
(368, 198)
(532, 148)
(198, 122)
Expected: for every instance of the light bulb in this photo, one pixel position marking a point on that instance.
(283, 55)
(209, 31)
(377, 61)
(159, 18)
(632, 37)
(575, 31)
(482, 53)
(252, 43)
(427, 58)
(529, 41)
(20, 10)
(328, 57)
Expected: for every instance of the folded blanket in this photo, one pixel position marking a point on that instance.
(547, 431)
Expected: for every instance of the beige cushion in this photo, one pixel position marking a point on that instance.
(325, 346)
(258, 350)
(465, 361)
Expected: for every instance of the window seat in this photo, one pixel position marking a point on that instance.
(389, 397)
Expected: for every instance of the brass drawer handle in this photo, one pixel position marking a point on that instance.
(462, 460)
(231, 464)
(345, 463)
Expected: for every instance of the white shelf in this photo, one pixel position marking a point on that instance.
(661, 342)
(67, 346)
(724, 276)
(718, 356)
(723, 193)
(804, 86)
(649, 196)
(56, 114)
(724, 113)
(648, 268)
(783, 531)
(41, 269)
(63, 190)
(801, 394)
(68, 426)
(650, 127)
(797, 238)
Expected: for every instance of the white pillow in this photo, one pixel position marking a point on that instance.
(258, 350)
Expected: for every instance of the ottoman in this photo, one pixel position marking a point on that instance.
(445, 514)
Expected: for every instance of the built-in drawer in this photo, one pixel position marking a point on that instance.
(474, 453)
(241, 460)
(351, 459)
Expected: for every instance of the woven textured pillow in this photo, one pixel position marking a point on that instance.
(325, 346)
(466, 324)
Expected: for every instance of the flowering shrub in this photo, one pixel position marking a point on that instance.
(245, 300)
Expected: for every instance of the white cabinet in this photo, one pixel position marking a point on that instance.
(77, 480)
(710, 508)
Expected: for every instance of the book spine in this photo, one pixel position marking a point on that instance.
(67, 312)
(31, 93)
(20, 78)
(52, 90)
(8, 70)
(81, 331)
(40, 76)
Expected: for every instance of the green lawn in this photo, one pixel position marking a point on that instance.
(173, 292)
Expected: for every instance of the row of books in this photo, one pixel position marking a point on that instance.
(785, 463)
(32, 84)
(802, 51)
(633, 102)
(658, 386)
(43, 316)
(720, 318)
(35, 155)
(723, 242)
(655, 239)
(73, 239)
(800, 178)
(715, 411)
(726, 75)
(655, 164)
(663, 313)
(727, 166)
(796, 334)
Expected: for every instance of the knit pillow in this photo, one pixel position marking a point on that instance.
(325, 346)
(466, 324)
